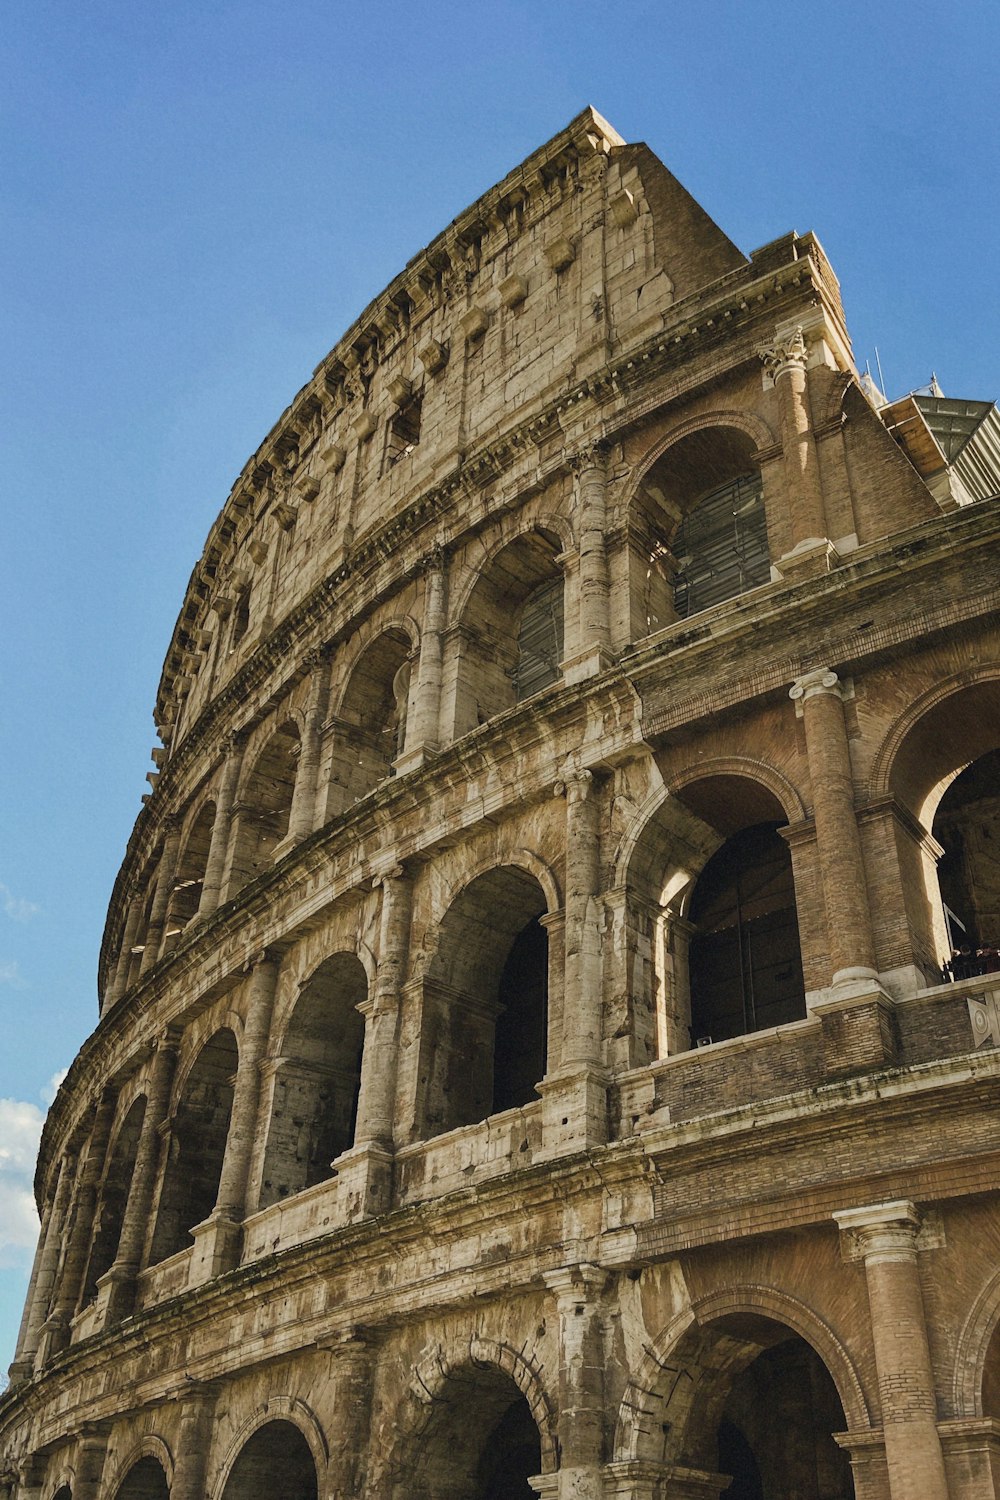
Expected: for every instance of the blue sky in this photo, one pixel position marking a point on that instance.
(197, 201)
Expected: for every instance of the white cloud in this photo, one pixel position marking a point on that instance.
(10, 973)
(49, 1090)
(20, 1130)
(16, 907)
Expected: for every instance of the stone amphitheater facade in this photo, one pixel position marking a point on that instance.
(525, 1064)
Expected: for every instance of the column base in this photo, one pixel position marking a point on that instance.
(115, 1295)
(412, 760)
(20, 1371)
(589, 663)
(809, 559)
(858, 1021)
(218, 1241)
(574, 1111)
(55, 1338)
(364, 1182)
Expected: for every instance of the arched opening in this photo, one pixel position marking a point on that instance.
(316, 1080)
(745, 1398)
(190, 876)
(261, 815)
(512, 630)
(371, 724)
(484, 1025)
(144, 1481)
(744, 960)
(711, 926)
(967, 826)
(197, 1146)
(700, 533)
(138, 948)
(945, 775)
(275, 1464)
(991, 1377)
(63, 1493)
(114, 1197)
(481, 1443)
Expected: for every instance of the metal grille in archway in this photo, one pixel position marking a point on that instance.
(721, 547)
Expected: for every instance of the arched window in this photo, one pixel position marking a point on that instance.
(967, 826)
(114, 1197)
(744, 962)
(699, 529)
(316, 1080)
(144, 1481)
(191, 866)
(483, 1038)
(275, 1464)
(512, 635)
(371, 724)
(480, 1441)
(198, 1135)
(262, 812)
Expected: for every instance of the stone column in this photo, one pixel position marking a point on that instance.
(44, 1272)
(302, 817)
(885, 1237)
(423, 726)
(217, 1241)
(785, 361)
(352, 1359)
(365, 1171)
(133, 916)
(575, 1098)
(91, 1452)
(593, 650)
(219, 845)
(135, 1221)
(194, 1443)
(164, 890)
(578, 1291)
(56, 1330)
(818, 696)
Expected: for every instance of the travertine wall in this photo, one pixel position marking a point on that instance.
(392, 1165)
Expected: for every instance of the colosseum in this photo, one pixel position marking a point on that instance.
(549, 1039)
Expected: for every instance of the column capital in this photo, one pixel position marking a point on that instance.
(784, 355)
(881, 1231)
(575, 786)
(811, 684)
(317, 656)
(593, 455)
(384, 877)
(577, 1283)
(260, 959)
(433, 560)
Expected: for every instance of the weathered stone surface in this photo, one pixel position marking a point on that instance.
(525, 1063)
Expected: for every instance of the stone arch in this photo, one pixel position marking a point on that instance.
(263, 805)
(372, 711)
(117, 1180)
(60, 1486)
(150, 1450)
(938, 767)
(454, 1363)
(978, 1332)
(709, 825)
(513, 526)
(686, 1371)
(509, 626)
(315, 1079)
(288, 1409)
(522, 859)
(484, 1001)
(189, 875)
(700, 531)
(199, 1131)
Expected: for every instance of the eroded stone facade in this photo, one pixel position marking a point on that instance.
(579, 744)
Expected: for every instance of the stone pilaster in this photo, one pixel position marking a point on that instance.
(91, 1453)
(884, 1236)
(302, 817)
(818, 696)
(365, 1172)
(217, 1241)
(117, 1286)
(352, 1355)
(56, 1329)
(194, 1443)
(423, 731)
(219, 845)
(785, 361)
(164, 890)
(575, 1097)
(43, 1272)
(593, 652)
(133, 916)
(577, 1291)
